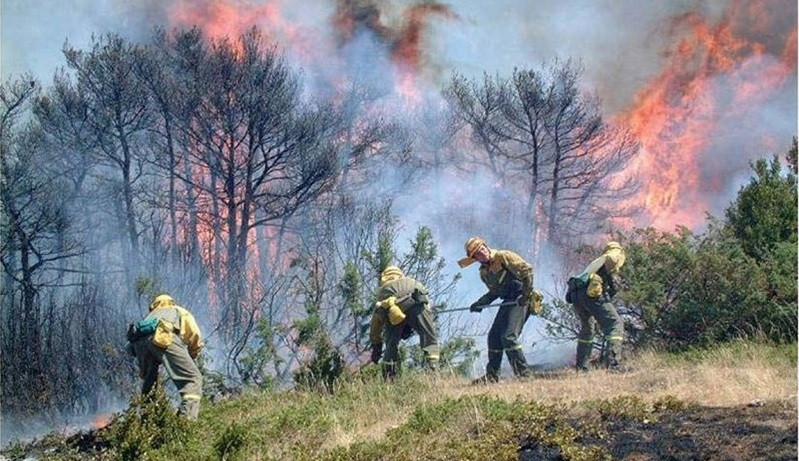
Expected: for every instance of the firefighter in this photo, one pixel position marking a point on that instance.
(591, 294)
(403, 307)
(509, 277)
(169, 335)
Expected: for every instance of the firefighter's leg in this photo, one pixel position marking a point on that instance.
(613, 329)
(186, 376)
(149, 359)
(516, 316)
(425, 327)
(495, 347)
(391, 358)
(585, 338)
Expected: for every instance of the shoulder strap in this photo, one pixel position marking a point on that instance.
(178, 321)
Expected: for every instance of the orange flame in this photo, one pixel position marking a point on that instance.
(714, 71)
(230, 18)
(408, 48)
(101, 420)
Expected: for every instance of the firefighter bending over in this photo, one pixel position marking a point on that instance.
(169, 335)
(591, 293)
(403, 307)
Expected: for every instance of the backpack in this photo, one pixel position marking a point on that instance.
(160, 330)
(574, 285)
(142, 328)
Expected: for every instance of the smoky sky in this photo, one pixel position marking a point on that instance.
(622, 44)
(619, 41)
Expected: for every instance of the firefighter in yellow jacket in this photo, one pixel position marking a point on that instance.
(175, 343)
(592, 294)
(509, 277)
(403, 307)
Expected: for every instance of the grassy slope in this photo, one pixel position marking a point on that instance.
(745, 391)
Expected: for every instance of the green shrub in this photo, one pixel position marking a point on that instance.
(149, 424)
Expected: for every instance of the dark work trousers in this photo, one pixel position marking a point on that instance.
(504, 337)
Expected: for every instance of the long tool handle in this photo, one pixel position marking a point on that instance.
(457, 309)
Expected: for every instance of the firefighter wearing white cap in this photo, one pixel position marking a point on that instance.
(509, 277)
(174, 341)
(403, 307)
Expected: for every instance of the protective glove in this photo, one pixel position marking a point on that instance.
(133, 332)
(420, 297)
(476, 307)
(377, 352)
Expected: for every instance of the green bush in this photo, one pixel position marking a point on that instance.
(684, 290)
(148, 425)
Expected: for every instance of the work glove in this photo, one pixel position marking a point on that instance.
(133, 333)
(476, 307)
(420, 297)
(377, 352)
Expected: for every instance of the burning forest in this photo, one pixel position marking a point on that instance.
(264, 161)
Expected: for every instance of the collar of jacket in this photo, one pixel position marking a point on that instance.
(493, 264)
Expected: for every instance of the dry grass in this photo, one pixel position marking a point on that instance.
(360, 417)
(721, 378)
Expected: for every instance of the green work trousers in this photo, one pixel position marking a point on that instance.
(602, 310)
(180, 367)
(424, 325)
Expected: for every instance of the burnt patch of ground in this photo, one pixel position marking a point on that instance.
(738, 433)
(749, 432)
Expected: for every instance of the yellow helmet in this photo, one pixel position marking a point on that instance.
(390, 273)
(615, 257)
(162, 300)
(471, 246)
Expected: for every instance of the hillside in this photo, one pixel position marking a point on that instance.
(732, 402)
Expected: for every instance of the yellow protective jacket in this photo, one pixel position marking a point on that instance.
(499, 273)
(400, 288)
(189, 330)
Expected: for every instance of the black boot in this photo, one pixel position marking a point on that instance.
(612, 358)
(389, 371)
(518, 363)
(487, 378)
(584, 349)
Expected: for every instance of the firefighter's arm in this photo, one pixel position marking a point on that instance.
(420, 295)
(376, 326)
(487, 298)
(190, 334)
(594, 266)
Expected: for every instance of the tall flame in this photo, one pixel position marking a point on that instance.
(230, 18)
(714, 72)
